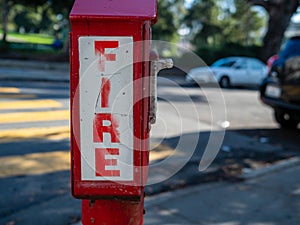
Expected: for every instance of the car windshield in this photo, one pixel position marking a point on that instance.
(224, 63)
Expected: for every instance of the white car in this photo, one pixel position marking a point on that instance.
(230, 71)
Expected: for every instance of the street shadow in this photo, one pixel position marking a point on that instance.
(182, 98)
(37, 90)
(33, 146)
(44, 197)
(248, 88)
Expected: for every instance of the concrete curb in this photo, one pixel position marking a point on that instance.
(250, 174)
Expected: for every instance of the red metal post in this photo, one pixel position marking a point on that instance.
(120, 212)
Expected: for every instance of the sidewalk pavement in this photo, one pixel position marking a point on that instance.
(20, 70)
(270, 199)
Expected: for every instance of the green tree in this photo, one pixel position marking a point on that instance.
(241, 24)
(62, 7)
(222, 28)
(217, 23)
(202, 18)
(169, 20)
(42, 11)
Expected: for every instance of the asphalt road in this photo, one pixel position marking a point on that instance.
(229, 128)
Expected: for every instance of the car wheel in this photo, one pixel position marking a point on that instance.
(285, 119)
(225, 82)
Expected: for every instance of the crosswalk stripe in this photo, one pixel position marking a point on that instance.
(9, 90)
(32, 164)
(29, 104)
(48, 133)
(34, 116)
(37, 163)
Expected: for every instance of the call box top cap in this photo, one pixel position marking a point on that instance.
(115, 9)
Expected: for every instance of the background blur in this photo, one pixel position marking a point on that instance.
(213, 29)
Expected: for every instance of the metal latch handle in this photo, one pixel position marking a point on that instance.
(156, 66)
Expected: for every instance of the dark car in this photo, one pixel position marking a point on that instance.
(281, 89)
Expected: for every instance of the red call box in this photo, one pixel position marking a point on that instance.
(109, 97)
